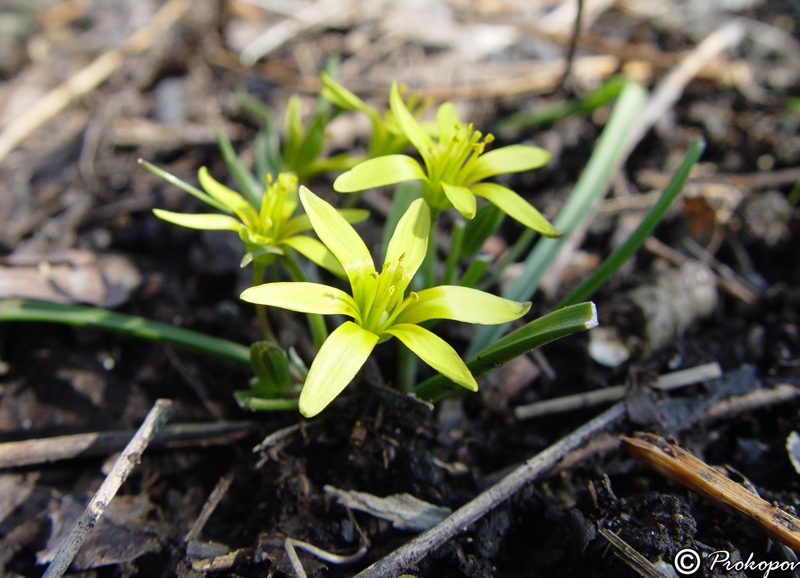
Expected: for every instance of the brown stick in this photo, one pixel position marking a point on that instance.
(40, 451)
(682, 467)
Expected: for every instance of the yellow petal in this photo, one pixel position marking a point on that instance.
(302, 297)
(340, 238)
(209, 222)
(515, 207)
(436, 352)
(335, 366)
(410, 239)
(462, 304)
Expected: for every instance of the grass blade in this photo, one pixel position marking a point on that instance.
(538, 332)
(82, 316)
(594, 181)
(629, 247)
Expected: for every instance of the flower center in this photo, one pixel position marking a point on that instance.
(383, 298)
(277, 205)
(452, 159)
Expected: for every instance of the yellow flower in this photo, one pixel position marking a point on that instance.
(379, 307)
(455, 167)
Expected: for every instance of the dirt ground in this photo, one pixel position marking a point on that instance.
(76, 226)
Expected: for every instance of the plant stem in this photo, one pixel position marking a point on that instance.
(261, 310)
(316, 322)
(451, 265)
(407, 368)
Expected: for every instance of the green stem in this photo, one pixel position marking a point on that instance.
(520, 245)
(407, 368)
(82, 316)
(316, 322)
(451, 264)
(261, 310)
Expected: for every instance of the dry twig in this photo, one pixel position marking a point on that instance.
(682, 467)
(123, 466)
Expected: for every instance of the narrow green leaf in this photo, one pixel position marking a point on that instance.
(488, 219)
(594, 181)
(614, 261)
(454, 254)
(184, 186)
(251, 400)
(82, 316)
(475, 270)
(250, 187)
(539, 332)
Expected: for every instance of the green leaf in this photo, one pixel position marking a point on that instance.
(81, 316)
(548, 328)
(248, 184)
(342, 240)
(594, 180)
(183, 185)
(335, 366)
(515, 207)
(487, 220)
(475, 270)
(379, 172)
(510, 159)
(303, 297)
(209, 222)
(316, 252)
(345, 99)
(634, 241)
(271, 367)
(436, 352)
(251, 400)
(462, 304)
(410, 239)
(231, 199)
(462, 198)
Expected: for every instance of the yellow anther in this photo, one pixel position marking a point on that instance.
(489, 138)
(401, 257)
(391, 290)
